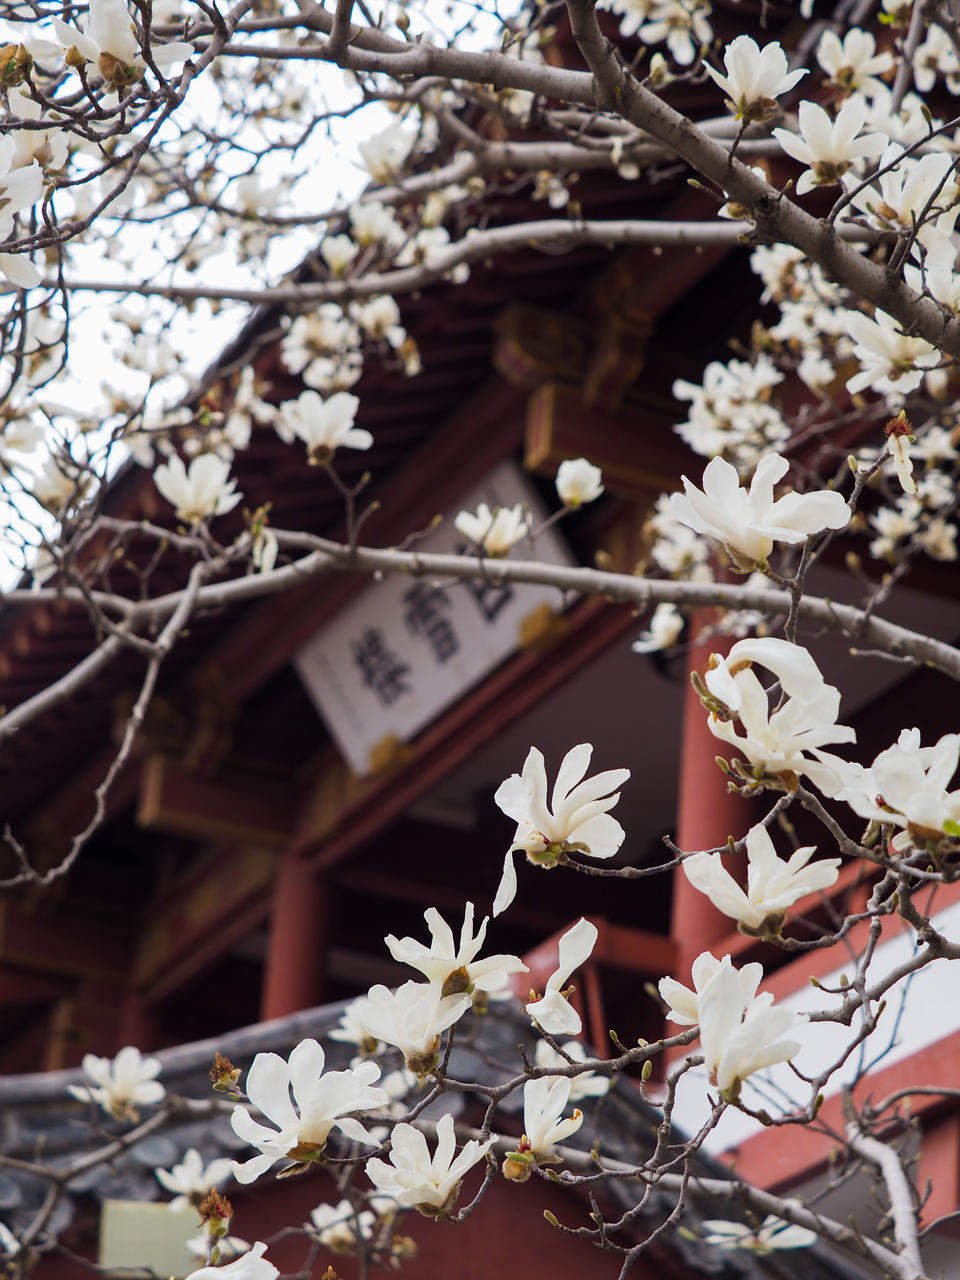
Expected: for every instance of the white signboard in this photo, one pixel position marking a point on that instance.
(406, 649)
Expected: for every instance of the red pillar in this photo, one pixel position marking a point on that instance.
(293, 972)
(706, 811)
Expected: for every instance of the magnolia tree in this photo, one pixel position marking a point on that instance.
(142, 143)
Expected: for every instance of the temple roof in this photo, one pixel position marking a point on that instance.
(37, 1115)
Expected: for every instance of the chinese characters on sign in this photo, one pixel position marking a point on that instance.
(402, 652)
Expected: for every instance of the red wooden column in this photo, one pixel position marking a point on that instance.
(293, 972)
(706, 812)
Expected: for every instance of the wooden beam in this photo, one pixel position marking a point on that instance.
(55, 938)
(637, 451)
(174, 800)
(209, 909)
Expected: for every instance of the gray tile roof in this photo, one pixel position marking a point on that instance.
(40, 1121)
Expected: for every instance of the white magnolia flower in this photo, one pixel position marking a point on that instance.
(853, 63)
(577, 821)
(324, 425)
(829, 147)
(906, 786)
(384, 154)
(122, 1085)
(416, 1179)
(21, 186)
(681, 24)
(774, 741)
(324, 1101)
(338, 252)
(748, 521)
(939, 539)
(48, 147)
(191, 1180)
(494, 531)
(9, 1244)
(907, 192)
(738, 1040)
(412, 1019)
(898, 447)
(340, 1227)
(665, 628)
(352, 1028)
(894, 524)
(890, 359)
(936, 56)
(203, 491)
(380, 318)
(373, 223)
(544, 1125)
(249, 1266)
(578, 481)
(109, 44)
(773, 1233)
(229, 1246)
(553, 1012)
(755, 77)
(450, 966)
(684, 1004)
(586, 1085)
(773, 884)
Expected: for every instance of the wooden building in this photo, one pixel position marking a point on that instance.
(245, 872)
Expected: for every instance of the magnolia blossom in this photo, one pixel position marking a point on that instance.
(772, 883)
(829, 147)
(903, 195)
(853, 62)
(586, 1085)
(890, 359)
(122, 1085)
(380, 318)
(191, 1180)
(372, 222)
(415, 1178)
(352, 1028)
(578, 481)
(665, 628)
(229, 1246)
(494, 531)
(384, 154)
(249, 1266)
(324, 425)
(577, 821)
(738, 1039)
(412, 1019)
(450, 966)
(755, 77)
(340, 1227)
(338, 252)
(905, 786)
(748, 521)
(21, 185)
(683, 1004)
(898, 447)
(553, 1013)
(324, 1101)
(49, 147)
(109, 44)
(774, 741)
(544, 1124)
(202, 491)
(773, 1233)
(9, 1244)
